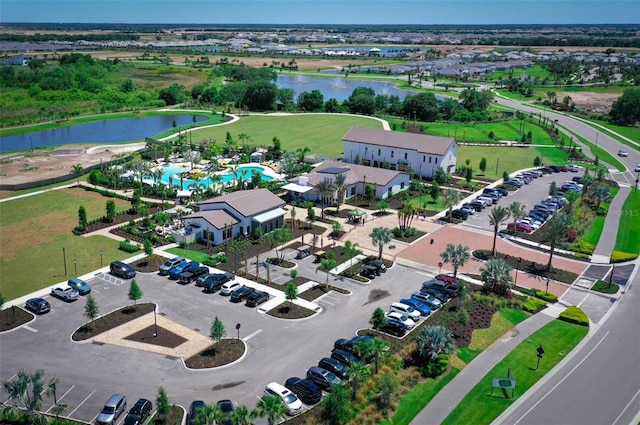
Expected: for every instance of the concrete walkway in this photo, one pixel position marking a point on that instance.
(452, 394)
(607, 242)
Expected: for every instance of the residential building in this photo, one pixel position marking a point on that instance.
(419, 154)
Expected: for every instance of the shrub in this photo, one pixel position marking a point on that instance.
(433, 369)
(605, 287)
(482, 254)
(571, 236)
(550, 298)
(574, 314)
(619, 256)
(127, 246)
(582, 247)
(533, 305)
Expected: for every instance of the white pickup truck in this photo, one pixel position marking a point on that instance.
(68, 294)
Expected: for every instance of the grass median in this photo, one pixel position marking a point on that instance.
(557, 338)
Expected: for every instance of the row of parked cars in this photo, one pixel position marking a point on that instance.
(226, 406)
(489, 197)
(117, 404)
(70, 293)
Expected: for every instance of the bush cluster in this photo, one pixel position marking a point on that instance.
(619, 256)
(550, 298)
(127, 246)
(433, 369)
(574, 314)
(403, 233)
(582, 247)
(533, 305)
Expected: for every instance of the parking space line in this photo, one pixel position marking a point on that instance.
(30, 329)
(81, 403)
(248, 337)
(60, 398)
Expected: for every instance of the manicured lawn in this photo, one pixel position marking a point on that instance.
(509, 159)
(189, 254)
(501, 322)
(629, 227)
(414, 401)
(322, 133)
(36, 228)
(595, 231)
(632, 133)
(536, 71)
(558, 338)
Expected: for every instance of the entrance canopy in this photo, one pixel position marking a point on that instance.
(356, 213)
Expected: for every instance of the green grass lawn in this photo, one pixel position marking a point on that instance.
(189, 254)
(536, 71)
(36, 228)
(629, 227)
(632, 133)
(509, 159)
(558, 338)
(320, 133)
(595, 231)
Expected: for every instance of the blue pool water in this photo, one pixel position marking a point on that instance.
(245, 173)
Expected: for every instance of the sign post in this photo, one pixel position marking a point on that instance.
(238, 329)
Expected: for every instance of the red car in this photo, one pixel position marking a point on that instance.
(520, 227)
(449, 280)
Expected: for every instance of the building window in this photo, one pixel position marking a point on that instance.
(391, 154)
(401, 185)
(405, 155)
(424, 158)
(378, 152)
(436, 159)
(429, 160)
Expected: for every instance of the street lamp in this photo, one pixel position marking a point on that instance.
(64, 260)
(101, 252)
(155, 321)
(238, 329)
(75, 265)
(539, 353)
(547, 288)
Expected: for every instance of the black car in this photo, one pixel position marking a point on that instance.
(214, 282)
(307, 391)
(227, 408)
(436, 293)
(332, 365)
(256, 298)
(120, 269)
(191, 275)
(344, 357)
(502, 191)
(193, 410)
(370, 272)
(377, 263)
(322, 377)
(343, 344)
(241, 294)
(477, 206)
(394, 328)
(459, 214)
(38, 305)
(139, 412)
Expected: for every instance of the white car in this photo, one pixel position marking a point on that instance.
(573, 168)
(622, 152)
(394, 316)
(530, 222)
(637, 170)
(289, 399)
(407, 310)
(229, 287)
(68, 294)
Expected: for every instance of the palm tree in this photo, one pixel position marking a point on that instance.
(498, 215)
(324, 188)
(272, 407)
(496, 277)
(351, 249)
(600, 194)
(57, 408)
(209, 415)
(457, 255)
(77, 170)
(25, 394)
(433, 341)
(326, 266)
(450, 198)
(340, 185)
(555, 231)
(405, 215)
(241, 415)
(571, 197)
(517, 211)
(380, 236)
(357, 372)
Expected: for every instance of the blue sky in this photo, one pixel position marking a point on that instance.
(323, 11)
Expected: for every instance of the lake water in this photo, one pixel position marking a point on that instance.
(104, 131)
(338, 88)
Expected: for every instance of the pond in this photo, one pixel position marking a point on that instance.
(338, 88)
(121, 130)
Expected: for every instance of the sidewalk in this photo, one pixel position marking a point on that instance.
(452, 394)
(607, 242)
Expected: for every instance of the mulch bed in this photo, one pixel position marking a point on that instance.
(222, 353)
(111, 320)
(163, 337)
(289, 310)
(119, 219)
(149, 264)
(315, 292)
(174, 417)
(14, 317)
(480, 315)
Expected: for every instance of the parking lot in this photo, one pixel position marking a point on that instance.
(276, 349)
(528, 195)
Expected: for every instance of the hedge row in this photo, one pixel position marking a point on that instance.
(127, 246)
(620, 257)
(533, 305)
(575, 315)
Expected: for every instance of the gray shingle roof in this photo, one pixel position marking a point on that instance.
(419, 142)
(355, 173)
(218, 218)
(248, 202)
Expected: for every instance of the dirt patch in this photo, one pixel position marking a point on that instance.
(11, 318)
(599, 102)
(111, 321)
(289, 310)
(222, 353)
(162, 337)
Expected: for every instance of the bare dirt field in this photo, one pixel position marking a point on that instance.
(592, 101)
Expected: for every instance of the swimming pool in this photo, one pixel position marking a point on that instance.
(245, 172)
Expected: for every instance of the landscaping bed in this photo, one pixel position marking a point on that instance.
(289, 310)
(11, 318)
(527, 266)
(149, 264)
(112, 320)
(222, 353)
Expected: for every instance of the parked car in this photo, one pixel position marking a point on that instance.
(120, 269)
(405, 309)
(189, 276)
(520, 227)
(438, 295)
(419, 306)
(174, 273)
(573, 168)
(68, 294)
(290, 400)
(229, 287)
(322, 377)
(307, 391)
(637, 169)
(427, 299)
(395, 329)
(79, 285)
(469, 210)
(214, 282)
(374, 262)
(38, 305)
(344, 357)
(623, 152)
(513, 182)
(169, 264)
(334, 366)
(479, 206)
(241, 293)
(450, 281)
(475, 206)
(459, 214)
(139, 412)
(256, 298)
(112, 409)
(487, 202)
(394, 316)
(450, 289)
(491, 192)
(193, 410)
(502, 191)
(343, 344)
(369, 272)
(227, 408)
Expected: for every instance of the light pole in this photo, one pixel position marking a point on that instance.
(101, 264)
(539, 353)
(238, 329)
(75, 265)
(155, 321)
(546, 291)
(64, 260)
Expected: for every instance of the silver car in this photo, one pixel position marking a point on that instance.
(112, 409)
